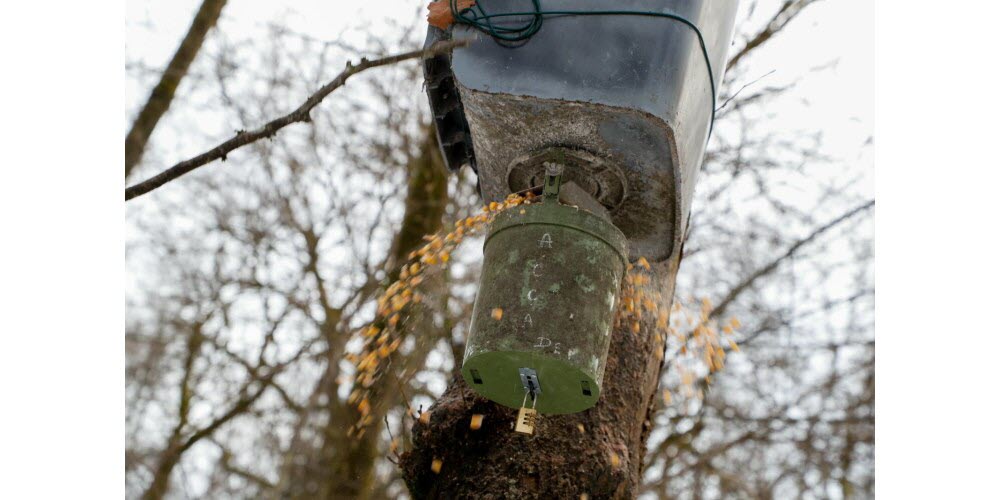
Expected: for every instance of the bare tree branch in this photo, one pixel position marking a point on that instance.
(163, 93)
(741, 89)
(301, 114)
(786, 13)
(750, 280)
(172, 455)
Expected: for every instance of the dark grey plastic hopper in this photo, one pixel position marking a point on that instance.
(623, 102)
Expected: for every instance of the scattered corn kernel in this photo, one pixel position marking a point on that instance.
(476, 422)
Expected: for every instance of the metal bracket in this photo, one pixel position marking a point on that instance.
(553, 178)
(529, 379)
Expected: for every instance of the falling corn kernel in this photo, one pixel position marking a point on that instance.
(735, 322)
(398, 303)
(615, 461)
(497, 313)
(666, 396)
(436, 465)
(476, 422)
(581, 428)
(661, 320)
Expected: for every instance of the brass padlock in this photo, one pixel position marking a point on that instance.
(527, 417)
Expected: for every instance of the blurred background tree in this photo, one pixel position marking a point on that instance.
(251, 279)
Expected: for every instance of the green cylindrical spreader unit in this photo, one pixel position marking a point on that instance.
(545, 308)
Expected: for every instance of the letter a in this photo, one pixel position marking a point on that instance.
(545, 242)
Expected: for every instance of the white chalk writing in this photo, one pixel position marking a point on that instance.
(545, 242)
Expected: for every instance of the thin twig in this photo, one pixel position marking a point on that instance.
(301, 114)
(742, 88)
(749, 280)
(785, 14)
(399, 384)
(385, 418)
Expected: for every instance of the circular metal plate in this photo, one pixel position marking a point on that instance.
(602, 180)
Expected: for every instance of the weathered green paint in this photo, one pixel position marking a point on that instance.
(555, 271)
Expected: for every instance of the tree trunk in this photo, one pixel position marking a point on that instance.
(163, 93)
(161, 476)
(345, 463)
(597, 453)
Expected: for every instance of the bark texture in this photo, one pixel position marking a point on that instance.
(597, 452)
(163, 93)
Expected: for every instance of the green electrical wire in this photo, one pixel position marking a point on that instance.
(477, 18)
